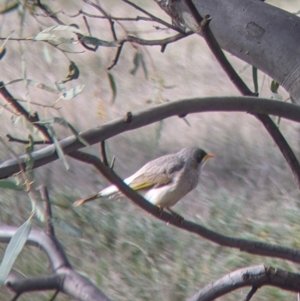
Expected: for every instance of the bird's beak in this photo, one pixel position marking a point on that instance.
(208, 156)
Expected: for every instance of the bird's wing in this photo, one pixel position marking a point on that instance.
(158, 172)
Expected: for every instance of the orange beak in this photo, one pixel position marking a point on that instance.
(208, 156)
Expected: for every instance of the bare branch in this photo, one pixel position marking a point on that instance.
(154, 18)
(64, 279)
(183, 107)
(252, 247)
(48, 13)
(161, 42)
(22, 141)
(251, 293)
(39, 283)
(20, 110)
(45, 197)
(255, 276)
(103, 153)
(49, 244)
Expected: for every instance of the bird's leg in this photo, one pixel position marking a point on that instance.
(160, 210)
(178, 216)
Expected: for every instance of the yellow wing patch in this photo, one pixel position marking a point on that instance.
(140, 186)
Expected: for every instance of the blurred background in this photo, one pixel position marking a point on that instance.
(247, 191)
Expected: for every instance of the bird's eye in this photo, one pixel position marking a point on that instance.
(200, 156)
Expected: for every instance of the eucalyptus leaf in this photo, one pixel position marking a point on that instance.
(69, 28)
(13, 249)
(37, 204)
(2, 46)
(113, 87)
(67, 95)
(73, 73)
(274, 86)
(7, 184)
(58, 148)
(138, 60)
(88, 40)
(53, 38)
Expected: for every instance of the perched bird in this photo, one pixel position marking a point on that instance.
(163, 181)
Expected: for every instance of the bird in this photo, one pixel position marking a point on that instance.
(163, 181)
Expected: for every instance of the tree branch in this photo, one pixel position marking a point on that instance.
(252, 247)
(204, 30)
(255, 276)
(20, 110)
(249, 30)
(183, 107)
(64, 279)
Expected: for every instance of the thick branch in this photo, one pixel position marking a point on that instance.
(255, 276)
(50, 245)
(251, 30)
(204, 29)
(40, 283)
(183, 107)
(64, 279)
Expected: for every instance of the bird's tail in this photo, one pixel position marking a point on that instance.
(108, 192)
(82, 201)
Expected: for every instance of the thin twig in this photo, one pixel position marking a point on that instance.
(20, 110)
(117, 56)
(161, 42)
(48, 13)
(111, 22)
(87, 25)
(54, 295)
(244, 104)
(251, 293)
(22, 141)
(154, 18)
(45, 197)
(103, 153)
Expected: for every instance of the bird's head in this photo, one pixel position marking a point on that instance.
(196, 156)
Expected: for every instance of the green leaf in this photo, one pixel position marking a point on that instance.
(67, 95)
(274, 86)
(58, 148)
(53, 38)
(37, 204)
(33, 83)
(2, 46)
(73, 73)
(66, 124)
(137, 61)
(88, 40)
(7, 184)
(113, 87)
(47, 54)
(255, 79)
(13, 249)
(70, 28)
(144, 66)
